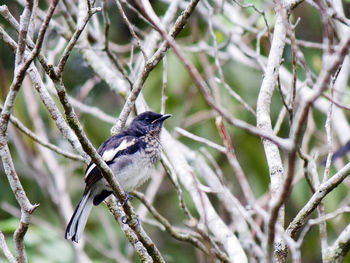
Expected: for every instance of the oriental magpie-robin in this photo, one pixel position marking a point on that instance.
(130, 154)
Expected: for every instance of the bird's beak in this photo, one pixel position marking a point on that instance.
(163, 118)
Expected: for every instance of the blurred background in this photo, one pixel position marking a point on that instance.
(104, 241)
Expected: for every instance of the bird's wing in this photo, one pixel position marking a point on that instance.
(109, 150)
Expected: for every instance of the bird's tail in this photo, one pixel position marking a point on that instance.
(78, 221)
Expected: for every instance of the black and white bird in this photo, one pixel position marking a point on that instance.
(130, 154)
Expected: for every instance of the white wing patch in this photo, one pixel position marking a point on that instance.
(90, 169)
(109, 154)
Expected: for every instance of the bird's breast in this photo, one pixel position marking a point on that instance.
(153, 147)
(134, 170)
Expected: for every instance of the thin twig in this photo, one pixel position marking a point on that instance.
(325, 217)
(5, 249)
(115, 61)
(232, 158)
(131, 29)
(178, 234)
(200, 139)
(61, 64)
(324, 188)
(174, 180)
(22, 34)
(42, 142)
(164, 84)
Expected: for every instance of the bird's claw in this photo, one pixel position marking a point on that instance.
(127, 197)
(124, 220)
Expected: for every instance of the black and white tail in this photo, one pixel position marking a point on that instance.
(78, 221)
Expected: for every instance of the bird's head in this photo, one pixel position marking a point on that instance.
(148, 122)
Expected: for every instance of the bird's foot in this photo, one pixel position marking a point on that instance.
(127, 197)
(134, 220)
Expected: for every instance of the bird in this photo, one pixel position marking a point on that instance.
(130, 154)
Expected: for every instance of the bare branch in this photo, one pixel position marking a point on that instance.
(41, 141)
(340, 247)
(204, 207)
(200, 139)
(73, 41)
(276, 170)
(5, 249)
(317, 197)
